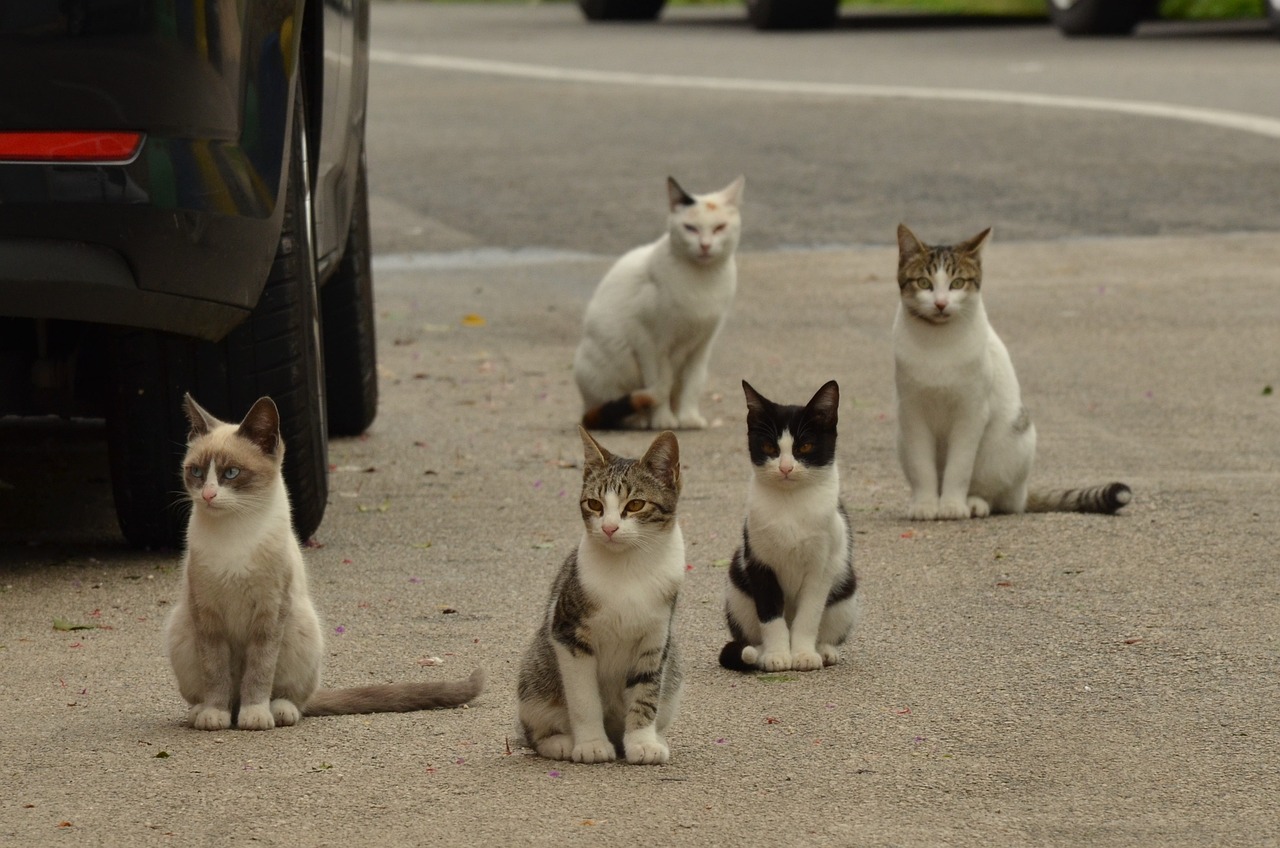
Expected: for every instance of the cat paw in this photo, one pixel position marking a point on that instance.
(558, 747)
(647, 753)
(953, 510)
(594, 751)
(922, 511)
(692, 421)
(806, 661)
(830, 656)
(255, 717)
(978, 507)
(751, 655)
(775, 661)
(203, 717)
(663, 419)
(285, 712)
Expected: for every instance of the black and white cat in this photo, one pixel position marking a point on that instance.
(790, 600)
(650, 325)
(965, 440)
(244, 639)
(601, 678)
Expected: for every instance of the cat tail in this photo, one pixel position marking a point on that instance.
(395, 697)
(612, 414)
(731, 657)
(1106, 499)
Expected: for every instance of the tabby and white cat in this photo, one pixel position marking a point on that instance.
(790, 600)
(601, 678)
(965, 440)
(243, 638)
(649, 327)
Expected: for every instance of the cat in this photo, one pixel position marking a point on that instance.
(243, 638)
(791, 596)
(601, 677)
(650, 325)
(965, 441)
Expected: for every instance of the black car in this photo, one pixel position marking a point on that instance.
(183, 208)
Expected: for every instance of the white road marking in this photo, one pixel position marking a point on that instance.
(1218, 118)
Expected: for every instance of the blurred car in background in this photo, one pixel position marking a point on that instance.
(183, 209)
(1071, 17)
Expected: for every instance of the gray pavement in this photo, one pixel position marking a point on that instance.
(1046, 680)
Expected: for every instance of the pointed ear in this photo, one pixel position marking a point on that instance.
(732, 193)
(908, 244)
(975, 244)
(824, 406)
(663, 458)
(757, 404)
(593, 453)
(261, 425)
(677, 196)
(201, 421)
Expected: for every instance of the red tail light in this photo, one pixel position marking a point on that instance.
(69, 146)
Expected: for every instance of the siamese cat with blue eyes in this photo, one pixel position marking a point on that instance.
(651, 323)
(243, 638)
(965, 441)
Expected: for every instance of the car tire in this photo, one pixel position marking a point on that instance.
(792, 14)
(276, 351)
(1097, 17)
(621, 10)
(346, 308)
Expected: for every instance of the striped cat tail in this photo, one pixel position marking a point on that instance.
(1106, 499)
(612, 414)
(395, 697)
(731, 657)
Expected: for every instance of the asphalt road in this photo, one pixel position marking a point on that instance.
(1039, 680)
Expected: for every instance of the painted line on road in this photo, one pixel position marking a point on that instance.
(1218, 118)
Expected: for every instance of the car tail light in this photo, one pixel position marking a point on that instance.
(96, 147)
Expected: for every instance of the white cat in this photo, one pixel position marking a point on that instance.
(649, 327)
(243, 638)
(965, 440)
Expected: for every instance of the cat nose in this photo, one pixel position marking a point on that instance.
(208, 493)
(785, 468)
(941, 304)
(609, 529)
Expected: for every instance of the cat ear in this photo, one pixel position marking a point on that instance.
(663, 459)
(975, 244)
(732, 193)
(201, 421)
(824, 407)
(908, 244)
(261, 425)
(677, 196)
(595, 454)
(757, 404)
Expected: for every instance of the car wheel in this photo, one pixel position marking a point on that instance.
(1273, 14)
(1097, 17)
(276, 351)
(346, 308)
(621, 10)
(792, 14)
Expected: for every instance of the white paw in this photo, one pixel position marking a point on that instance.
(922, 510)
(751, 655)
(776, 661)
(594, 751)
(558, 747)
(209, 718)
(830, 656)
(953, 509)
(692, 421)
(647, 753)
(285, 712)
(255, 717)
(663, 419)
(806, 660)
(978, 508)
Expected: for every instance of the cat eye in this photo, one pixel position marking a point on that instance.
(924, 284)
(806, 448)
(769, 449)
(720, 228)
(231, 474)
(594, 505)
(196, 472)
(634, 506)
(691, 228)
(959, 283)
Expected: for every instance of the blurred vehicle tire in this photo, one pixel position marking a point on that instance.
(621, 10)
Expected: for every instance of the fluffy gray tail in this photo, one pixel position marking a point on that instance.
(395, 697)
(1106, 499)
(612, 414)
